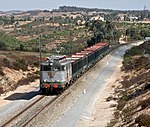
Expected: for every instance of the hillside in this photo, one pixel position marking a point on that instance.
(133, 109)
(78, 9)
(17, 69)
(21, 30)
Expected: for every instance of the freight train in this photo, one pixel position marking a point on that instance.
(58, 72)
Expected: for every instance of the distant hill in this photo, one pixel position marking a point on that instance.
(9, 13)
(74, 8)
(13, 11)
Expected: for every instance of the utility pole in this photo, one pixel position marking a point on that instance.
(40, 50)
(40, 59)
(70, 48)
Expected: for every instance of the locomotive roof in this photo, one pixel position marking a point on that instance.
(62, 60)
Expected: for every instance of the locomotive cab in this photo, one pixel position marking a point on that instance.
(54, 75)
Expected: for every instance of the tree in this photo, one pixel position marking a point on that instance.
(3, 45)
(21, 47)
(12, 19)
(28, 18)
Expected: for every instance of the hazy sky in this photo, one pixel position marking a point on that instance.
(6, 5)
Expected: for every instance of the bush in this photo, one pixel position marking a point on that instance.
(36, 63)
(2, 73)
(1, 90)
(145, 103)
(3, 45)
(26, 81)
(6, 62)
(143, 120)
(132, 52)
(121, 105)
(20, 64)
(35, 49)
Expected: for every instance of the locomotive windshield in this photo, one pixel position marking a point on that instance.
(52, 73)
(46, 68)
(52, 68)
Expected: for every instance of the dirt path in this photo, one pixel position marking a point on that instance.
(102, 110)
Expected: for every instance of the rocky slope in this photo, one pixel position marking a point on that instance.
(133, 96)
(17, 69)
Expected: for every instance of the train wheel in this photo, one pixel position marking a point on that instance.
(47, 92)
(42, 90)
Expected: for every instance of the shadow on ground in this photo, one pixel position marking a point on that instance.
(23, 96)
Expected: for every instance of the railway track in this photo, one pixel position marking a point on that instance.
(39, 111)
(17, 118)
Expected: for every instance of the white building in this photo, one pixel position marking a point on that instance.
(98, 18)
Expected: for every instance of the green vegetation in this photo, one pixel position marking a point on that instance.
(17, 64)
(6, 62)
(8, 42)
(137, 31)
(103, 31)
(7, 20)
(19, 61)
(20, 64)
(143, 49)
(23, 34)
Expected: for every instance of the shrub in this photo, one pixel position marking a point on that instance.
(36, 63)
(121, 105)
(1, 90)
(6, 62)
(2, 73)
(20, 64)
(3, 45)
(145, 103)
(35, 49)
(111, 123)
(143, 120)
(26, 81)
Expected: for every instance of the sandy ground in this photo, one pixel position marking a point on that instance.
(20, 89)
(102, 110)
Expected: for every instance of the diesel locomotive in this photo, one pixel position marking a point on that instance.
(58, 72)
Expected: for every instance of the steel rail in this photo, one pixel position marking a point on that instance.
(39, 111)
(28, 107)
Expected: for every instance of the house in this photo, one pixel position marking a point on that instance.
(97, 18)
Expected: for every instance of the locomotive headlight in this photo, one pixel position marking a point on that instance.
(45, 80)
(57, 80)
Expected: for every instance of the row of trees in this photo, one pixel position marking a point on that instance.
(4, 20)
(137, 34)
(7, 20)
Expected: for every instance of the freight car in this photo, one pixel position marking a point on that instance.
(58, 72)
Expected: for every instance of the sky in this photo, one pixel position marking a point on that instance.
(7, 5)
